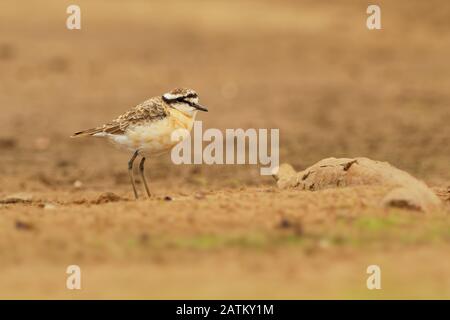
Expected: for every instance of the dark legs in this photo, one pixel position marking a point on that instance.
(141, 171)
(130, 172)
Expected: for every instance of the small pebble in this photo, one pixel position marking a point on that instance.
(107, 197)
(17, 198)
(49, 206)
(78, 184)
(22, 225)
(284, 224)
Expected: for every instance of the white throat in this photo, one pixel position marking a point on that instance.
(185, 109)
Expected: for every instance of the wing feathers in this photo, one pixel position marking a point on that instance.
(151, 110)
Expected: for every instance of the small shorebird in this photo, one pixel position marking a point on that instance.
(146, 129)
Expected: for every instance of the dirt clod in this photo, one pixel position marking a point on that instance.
(405, 191)
(17, 198)
(78, 184)
(107, 197)
(7, 143)
(23, 225)
(49, 206)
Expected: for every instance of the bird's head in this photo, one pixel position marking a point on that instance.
(184, 100)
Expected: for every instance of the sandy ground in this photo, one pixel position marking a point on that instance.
(309, 68)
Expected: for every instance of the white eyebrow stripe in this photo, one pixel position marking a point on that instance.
(171, 96)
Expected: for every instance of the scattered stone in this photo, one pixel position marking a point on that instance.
(168, 198)
(285, 224)
(22, 225)
(17, 198)
(49, 206)
(81, 201)
(295, 226)
(443, 193)
(286, 176)
(7, 143)
(107, 197)
(78, 184)
(63, 163)
(405, 191)
(199, 195)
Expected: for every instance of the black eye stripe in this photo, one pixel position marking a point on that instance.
(181, 99)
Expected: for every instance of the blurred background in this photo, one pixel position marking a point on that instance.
(310, 68)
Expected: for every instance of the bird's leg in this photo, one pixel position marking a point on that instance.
(130, 172)
(141, 170)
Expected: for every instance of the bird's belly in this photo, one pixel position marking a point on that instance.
(152, 138)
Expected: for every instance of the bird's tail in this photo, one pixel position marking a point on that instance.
(88, 132)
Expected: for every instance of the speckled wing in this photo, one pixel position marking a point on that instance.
(148, 111)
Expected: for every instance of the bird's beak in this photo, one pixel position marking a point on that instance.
(200, 107)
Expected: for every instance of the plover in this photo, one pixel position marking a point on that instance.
(146, 129)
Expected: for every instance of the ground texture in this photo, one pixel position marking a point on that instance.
(309, 68)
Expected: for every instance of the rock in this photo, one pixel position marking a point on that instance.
(22, 225)
(78, 184)
(49, 206)
(443, 193)
(107, 197)
(404, 190)
(17, 198)
(285, 176)
(7, 143)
